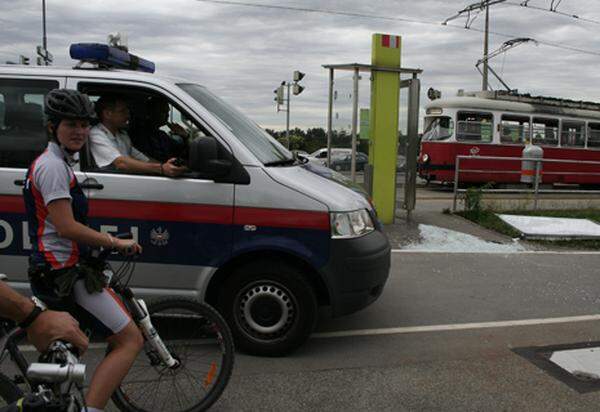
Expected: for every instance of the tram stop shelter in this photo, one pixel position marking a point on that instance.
(380, 173)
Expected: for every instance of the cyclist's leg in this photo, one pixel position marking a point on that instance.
(113, 321)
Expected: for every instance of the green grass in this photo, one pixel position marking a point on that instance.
(489, 220)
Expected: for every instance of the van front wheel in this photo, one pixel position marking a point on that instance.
(270, 308)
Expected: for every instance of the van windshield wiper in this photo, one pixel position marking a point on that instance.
(282, 162)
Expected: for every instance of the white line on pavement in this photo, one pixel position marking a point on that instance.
(516, 252)
(456, 326)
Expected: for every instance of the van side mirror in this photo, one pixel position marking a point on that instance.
(204, 158)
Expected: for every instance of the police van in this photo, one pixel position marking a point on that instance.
(262, 235)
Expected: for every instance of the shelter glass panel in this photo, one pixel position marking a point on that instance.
(514, 129)
(593, 135)
(22, 129)
(474, 127)
(545, 131)
(572, 134)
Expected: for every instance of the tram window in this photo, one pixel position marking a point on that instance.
(473, 126)
(593, 135)
(514, 129)
(439, 128)
(572, 134)
(545, 131)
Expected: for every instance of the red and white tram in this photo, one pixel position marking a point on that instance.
(500, 124)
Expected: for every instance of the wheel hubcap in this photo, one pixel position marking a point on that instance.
(266, 308)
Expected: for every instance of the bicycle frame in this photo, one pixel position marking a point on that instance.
(8, 343)
(139, 313)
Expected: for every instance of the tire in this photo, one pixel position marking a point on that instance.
(9, 392)
(185, 326)
(270, 307)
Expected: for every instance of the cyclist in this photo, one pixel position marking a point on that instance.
(61, 271)
(43, 326)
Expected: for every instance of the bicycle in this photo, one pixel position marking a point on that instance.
(188, 351)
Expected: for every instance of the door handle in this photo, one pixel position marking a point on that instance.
(20, 182)
(91, 183)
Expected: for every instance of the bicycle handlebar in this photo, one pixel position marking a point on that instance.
(105, 252)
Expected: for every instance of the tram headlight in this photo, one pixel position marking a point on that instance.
(348, 225)
(425, 158)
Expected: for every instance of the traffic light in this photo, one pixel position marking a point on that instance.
(279, 95)
(23, 60)
(297, 89)
(298, 75)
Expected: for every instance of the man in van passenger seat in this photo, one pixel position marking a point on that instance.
(111, 146)
(153, 140)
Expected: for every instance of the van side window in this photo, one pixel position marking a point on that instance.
(593, 135)
(22, 128)
(572, 134)
(514, 129)
(545, 131)
(474, 127)
(157, 128)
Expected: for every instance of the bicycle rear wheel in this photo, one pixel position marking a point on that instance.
(9, 392)
(198, 337)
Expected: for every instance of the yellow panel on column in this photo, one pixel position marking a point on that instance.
(385, 90)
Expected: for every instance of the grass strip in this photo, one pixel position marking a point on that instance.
(489, 220)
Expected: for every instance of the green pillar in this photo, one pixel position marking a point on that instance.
(385, 94)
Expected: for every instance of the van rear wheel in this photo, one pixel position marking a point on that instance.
(269, 306)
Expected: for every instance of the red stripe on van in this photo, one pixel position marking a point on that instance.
(281, 218)
(172, 212)
(12, 204)
(176, 212)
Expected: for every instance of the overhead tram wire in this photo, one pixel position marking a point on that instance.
(553, 11)
(322, 11)
(404, 19)
(543, 42)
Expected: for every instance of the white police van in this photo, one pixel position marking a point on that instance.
(262, 236)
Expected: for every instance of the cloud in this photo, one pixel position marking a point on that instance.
(243, 53)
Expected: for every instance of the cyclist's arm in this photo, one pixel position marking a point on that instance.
(61, 216)
(47, 327)
(13, 305)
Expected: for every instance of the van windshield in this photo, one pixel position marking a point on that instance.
(260, 143)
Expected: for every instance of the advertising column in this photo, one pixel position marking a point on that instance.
(385, 91)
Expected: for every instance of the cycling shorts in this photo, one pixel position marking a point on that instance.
(102, 314)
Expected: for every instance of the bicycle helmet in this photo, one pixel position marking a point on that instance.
(68, 104)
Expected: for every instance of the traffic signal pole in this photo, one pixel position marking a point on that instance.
(287, 117)
(280, 98)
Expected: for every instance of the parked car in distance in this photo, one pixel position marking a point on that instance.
(321, 154)
(344, 161)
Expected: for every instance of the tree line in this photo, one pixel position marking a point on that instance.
(313, 139)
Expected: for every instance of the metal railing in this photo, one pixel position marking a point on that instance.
(535, 189)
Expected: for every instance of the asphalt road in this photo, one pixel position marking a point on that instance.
(407, 351)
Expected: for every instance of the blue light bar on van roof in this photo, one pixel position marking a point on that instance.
(105, 55)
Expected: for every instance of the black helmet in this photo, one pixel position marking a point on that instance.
(68, 104)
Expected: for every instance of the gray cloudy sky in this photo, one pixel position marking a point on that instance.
(243, 53)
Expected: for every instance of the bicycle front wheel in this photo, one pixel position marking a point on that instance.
(199, 339)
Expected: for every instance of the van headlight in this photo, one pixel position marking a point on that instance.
(348, 225)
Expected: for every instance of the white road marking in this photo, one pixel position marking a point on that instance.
(521, 252)
(456, 326)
